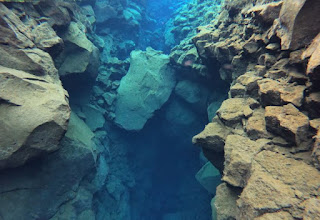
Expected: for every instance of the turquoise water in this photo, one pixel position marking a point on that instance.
(138, 93)
(153, 137)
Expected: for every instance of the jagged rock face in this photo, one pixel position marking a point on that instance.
(34, 114)
(271, 165)
(80, 55)
(295, 29)
(34, 107)
(39, 189)
(146, 87)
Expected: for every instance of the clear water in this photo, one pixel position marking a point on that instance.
(156, 166)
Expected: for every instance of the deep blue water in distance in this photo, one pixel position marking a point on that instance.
(161, 156)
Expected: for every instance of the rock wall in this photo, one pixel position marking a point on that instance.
(52, 164)
(267, 130)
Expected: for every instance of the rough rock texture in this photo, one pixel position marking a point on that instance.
(146, 87)
(34, 107)
(270, 145)
(295, 29)
(25, 191)
(80, 55)
(288, 122)
(34, 116)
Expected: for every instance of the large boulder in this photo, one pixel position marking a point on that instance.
(278, 183)
(80, 55)
(146, 87)
(213, 136)
(34, 116)
(41, 188)
(298, 23)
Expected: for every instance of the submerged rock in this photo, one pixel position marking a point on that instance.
(209, 177)
(146, 87)
(34, 116)
(288, 122)
(298, 23)
(80, 55)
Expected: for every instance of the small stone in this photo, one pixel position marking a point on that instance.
(273, 46)
(237, 91)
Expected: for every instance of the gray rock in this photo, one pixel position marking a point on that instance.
(145, 88)
(34, 115)
(94, 117)
(209, 177)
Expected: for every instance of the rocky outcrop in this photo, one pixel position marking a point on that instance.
(80, 55)
(35, 114)
(268, 127)
(33, 105)
(295, 29)
(146, 87)
(25, 191)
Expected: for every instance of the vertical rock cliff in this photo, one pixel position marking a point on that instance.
(267, 129)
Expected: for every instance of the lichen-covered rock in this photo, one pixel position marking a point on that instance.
(34, 116)
(288, 122)
(146, 87)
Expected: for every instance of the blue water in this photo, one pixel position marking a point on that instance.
(153, 169)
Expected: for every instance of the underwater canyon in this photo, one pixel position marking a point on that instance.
(159, 110)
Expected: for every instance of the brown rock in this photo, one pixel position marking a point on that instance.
(312, 210)
(256, 125)
(231, 111)
(280, 215)
(267, 13)
(225, 202)
(237, 91)
(56, 11)
(273, 92)
(288, 122)
(312, 52)
(278, 183)
(299, 23)
(316, 150)
(34, 115)
(313, 104)
(212, 137)
(239, 153)
(250, 82)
